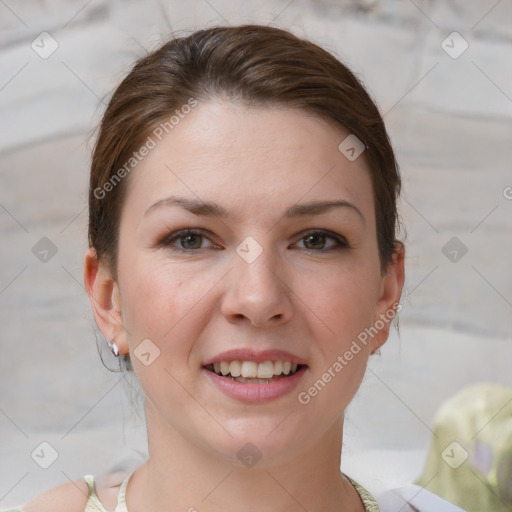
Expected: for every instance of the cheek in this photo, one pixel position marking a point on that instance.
(345, 301)
(341, 357)
(160, 305)
(158, 299)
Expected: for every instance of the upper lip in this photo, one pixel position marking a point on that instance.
(249, 354)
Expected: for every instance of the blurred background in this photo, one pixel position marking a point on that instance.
(441, 73)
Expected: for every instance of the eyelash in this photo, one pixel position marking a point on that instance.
(341, 242)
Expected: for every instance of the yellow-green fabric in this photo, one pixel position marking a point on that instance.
(370, 505)
(470, 457)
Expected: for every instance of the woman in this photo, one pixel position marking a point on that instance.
(243, 261)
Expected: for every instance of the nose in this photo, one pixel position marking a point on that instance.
(258, 292)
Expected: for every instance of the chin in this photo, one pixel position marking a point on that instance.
(266, 441)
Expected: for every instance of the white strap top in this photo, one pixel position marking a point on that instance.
(94, 504)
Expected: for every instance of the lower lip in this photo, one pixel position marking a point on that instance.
(254, 393)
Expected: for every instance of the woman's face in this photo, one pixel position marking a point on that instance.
(265, 279)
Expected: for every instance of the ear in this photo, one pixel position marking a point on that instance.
(105, 299)
(388, 303)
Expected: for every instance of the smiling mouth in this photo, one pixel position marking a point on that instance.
(250, 372)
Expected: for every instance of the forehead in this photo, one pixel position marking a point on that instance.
(252, 160)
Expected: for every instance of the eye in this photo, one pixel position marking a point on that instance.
(188, 240)
(316, 240)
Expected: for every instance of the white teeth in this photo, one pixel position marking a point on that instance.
(224, 368)
(249, 369)
(259, 372)
(266, 370)
(235, 368)
(252, 381)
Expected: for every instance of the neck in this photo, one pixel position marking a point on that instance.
(182, 476)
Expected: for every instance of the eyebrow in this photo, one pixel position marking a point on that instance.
(210, 208)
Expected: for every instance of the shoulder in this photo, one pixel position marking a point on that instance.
(71, 496)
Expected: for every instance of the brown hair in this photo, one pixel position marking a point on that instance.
(252, 64)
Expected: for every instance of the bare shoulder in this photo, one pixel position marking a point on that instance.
(71, 496)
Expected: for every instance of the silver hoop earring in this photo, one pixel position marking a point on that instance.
(114, 348)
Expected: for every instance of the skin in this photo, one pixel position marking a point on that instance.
(311, 298)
